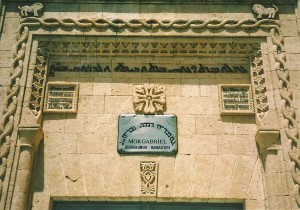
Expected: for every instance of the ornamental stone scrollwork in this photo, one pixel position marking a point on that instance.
(262, 11)
(287, 108)
(259, 86)
(148, 178)
(7, 127)
(33, 10)
(149, 99)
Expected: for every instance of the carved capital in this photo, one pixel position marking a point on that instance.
(268, 140)
(30, 136)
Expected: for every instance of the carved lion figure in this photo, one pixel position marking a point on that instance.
(33, 9)
(261, 11)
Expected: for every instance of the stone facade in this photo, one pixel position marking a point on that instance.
(150, 57)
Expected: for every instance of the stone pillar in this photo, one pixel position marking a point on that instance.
(29, 139)
(272, 158)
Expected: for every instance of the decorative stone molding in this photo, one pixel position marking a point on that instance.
(259, 86)
(287, 107)
(149, 99)
(38, 82)
(261, 11)
(32, 10)
(7, 127)
(149, 47)
(148, 178)
(194, 24)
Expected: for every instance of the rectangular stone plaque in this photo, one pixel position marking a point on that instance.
(236, 99)
(61, 97)
(147, 134)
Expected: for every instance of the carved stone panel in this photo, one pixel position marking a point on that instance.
(61, 97)
(148, 178)
(149, 99)
(236, 99)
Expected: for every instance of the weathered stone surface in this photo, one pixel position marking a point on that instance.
(221, 177)
(217, 160)
(242, 174)
(73, 175)
(204, 168)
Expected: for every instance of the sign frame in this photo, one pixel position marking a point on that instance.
(147, 134)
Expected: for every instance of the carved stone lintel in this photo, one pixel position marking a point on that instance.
(30, 135)
(148, 178)
(268, 140)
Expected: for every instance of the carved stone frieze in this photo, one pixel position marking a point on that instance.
(149, 99)
(147, 47)
(259, 86)
(148, 178)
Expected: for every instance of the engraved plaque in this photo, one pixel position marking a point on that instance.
(236, 99)
(147, 134)
(61, 97)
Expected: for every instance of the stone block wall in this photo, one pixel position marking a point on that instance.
(218, 159)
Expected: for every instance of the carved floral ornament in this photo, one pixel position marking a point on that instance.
(148, 178)
(149, 99)
(8, 130)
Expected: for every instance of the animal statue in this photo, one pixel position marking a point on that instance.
(261, 11)
(34, 9)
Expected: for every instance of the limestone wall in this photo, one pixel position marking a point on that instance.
(218, 159)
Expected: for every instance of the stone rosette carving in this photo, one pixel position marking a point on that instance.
(262, 11)
(33, 10)
(148, 178)
(149, 99)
